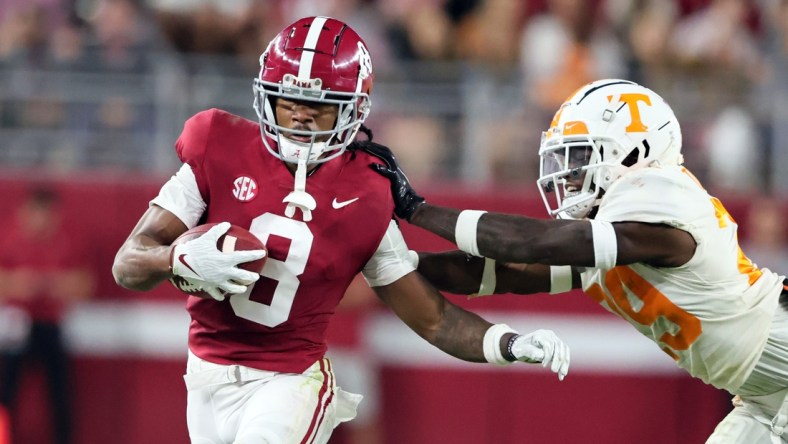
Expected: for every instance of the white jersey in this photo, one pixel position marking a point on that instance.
(713, 314)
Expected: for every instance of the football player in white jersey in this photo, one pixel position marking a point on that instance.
(639, 234)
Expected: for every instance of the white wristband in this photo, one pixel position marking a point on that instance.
(560, 279)
(465, 231)
(605, 244)
(492, 343)
(487, 286)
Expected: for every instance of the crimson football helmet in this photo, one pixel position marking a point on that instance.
(316, 59)
(603, 131)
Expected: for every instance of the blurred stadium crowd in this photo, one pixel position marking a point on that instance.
(463, 87)
(463, 90)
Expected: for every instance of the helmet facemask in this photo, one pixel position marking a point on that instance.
(323, 145)
(573, 174)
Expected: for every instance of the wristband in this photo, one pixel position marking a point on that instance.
(492, 344)
(465, 231)
(508, 354)
(487, 285)
(560, 279)
(605, 244)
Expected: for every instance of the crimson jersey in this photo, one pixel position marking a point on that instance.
(280, 323)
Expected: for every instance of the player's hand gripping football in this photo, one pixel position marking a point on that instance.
(542, 346)
(406, 201)
(200, 262)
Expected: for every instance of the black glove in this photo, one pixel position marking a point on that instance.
(406, 201)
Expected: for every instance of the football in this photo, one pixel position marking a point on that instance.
(236, 239)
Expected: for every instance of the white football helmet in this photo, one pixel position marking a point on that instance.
(604, 130)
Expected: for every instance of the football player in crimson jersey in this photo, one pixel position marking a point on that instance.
(641, 236)
(256, 369)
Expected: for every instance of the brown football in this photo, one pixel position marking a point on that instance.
(236, 239)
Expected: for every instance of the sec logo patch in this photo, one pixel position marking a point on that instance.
(244, 188)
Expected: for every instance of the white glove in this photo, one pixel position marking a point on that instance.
(200, 262)
(542, 346)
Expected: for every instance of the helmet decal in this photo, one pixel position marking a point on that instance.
(632, 100)
(575, 127)
(365, 62)
(310, 44)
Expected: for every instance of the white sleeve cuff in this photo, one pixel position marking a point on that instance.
(391, 260)
(181, 197)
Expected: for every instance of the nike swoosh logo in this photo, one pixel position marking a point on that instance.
(337, 205)
(183, 261)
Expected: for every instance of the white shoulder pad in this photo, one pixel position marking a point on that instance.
(390, 261)
(654, 195)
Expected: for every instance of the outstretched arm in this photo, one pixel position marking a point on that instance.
(505, 238)
(520, 239)
(461, 273)
(515, 239)
(466, 335)
(452, 329)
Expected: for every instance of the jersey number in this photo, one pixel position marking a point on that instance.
(654, 303)
(285, 273)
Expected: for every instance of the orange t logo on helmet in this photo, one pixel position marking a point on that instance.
(632, 99)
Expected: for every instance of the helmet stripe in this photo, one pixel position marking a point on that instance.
(308, 53)
(617, 82)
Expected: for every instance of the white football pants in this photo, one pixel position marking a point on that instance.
(760, 413)
(233, 404)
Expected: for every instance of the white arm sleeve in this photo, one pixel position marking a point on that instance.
(390, 261)
(181, 197)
